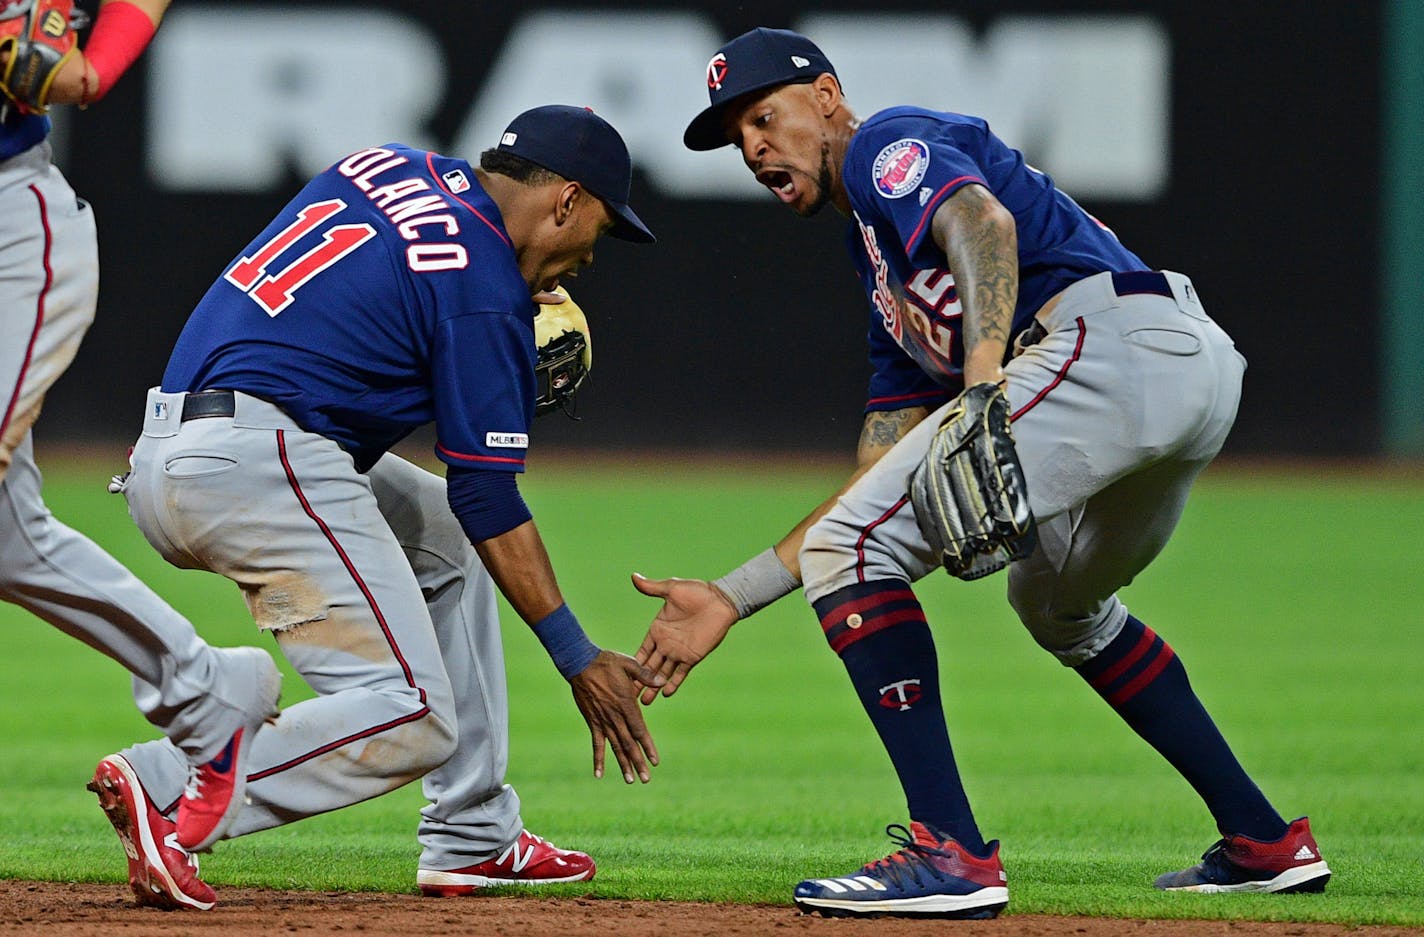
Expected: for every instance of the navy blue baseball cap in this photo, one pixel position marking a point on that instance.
(755, 60)
(581, 146)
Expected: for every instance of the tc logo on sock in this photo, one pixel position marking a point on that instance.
(901, 695)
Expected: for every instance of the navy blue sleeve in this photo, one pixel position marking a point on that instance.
(486, 502)
(482, 369)
(902, 170)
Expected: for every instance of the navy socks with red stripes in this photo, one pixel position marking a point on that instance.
(1140, 676)
(879, 631)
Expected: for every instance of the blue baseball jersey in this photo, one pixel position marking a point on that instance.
(901, 165)
(386, 295)
(19, 132)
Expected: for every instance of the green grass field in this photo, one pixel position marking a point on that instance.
(1294, 599)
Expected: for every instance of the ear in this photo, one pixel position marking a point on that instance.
(828, 93)
(568, 199)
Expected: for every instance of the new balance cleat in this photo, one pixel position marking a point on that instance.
(161, 872)
(1290, 864)
(529, 860)
(930, 876)
(217, 789)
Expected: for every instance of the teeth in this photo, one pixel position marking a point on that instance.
(786, 188)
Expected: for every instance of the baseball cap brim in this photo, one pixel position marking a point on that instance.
(627, 226)
(706, 131)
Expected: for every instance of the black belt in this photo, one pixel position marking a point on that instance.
(1153, 282)
(1141, 281)
(208, 403)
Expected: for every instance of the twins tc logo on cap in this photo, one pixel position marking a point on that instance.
(900, 167)
(716, 71)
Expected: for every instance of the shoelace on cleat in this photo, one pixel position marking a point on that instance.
(1216, 867)
(193, 788)
(903, 866)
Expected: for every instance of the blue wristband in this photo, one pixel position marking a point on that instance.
(568, 646)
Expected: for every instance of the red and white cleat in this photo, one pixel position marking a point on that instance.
(161, 872)
(529, 860)
(217, 789)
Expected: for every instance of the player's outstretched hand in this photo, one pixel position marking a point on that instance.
(607, 694)
(694, 619)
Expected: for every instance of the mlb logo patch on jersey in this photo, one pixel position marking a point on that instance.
(507, 440)
(900, 167)
(456, 180)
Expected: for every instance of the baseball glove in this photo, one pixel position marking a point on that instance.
(969, 494)
(36, 39)
(564, 355)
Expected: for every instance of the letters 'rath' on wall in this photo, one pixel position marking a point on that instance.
(744, 325)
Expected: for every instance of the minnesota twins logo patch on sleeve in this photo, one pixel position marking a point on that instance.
(900, 167)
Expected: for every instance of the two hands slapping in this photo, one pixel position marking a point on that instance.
(606, 693)
(694, 619)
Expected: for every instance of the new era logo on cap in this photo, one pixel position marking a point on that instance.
(799, 62)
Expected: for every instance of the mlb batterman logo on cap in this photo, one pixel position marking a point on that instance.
(581, 146)
(755, 60)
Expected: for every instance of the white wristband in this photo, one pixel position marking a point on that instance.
(757, 583)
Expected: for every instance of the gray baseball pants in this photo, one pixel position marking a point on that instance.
(375, 595)
(1116, 411)
(49, 282)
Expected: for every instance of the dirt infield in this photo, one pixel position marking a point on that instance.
(67, 910)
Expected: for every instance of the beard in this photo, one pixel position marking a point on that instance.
(823, 185)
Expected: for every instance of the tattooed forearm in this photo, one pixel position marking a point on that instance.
(882, 429)
(979, 239)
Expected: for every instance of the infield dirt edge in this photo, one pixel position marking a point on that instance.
(89, 910)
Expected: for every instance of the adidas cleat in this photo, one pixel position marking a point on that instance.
(1235, 863)
(930, 876)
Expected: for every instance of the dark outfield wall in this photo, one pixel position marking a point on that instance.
(744, 325)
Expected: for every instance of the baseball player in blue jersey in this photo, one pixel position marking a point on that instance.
(982, 274)
(209, 702)
(394, 290)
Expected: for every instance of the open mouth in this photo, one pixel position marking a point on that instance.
(560, 277)
(779, 182)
